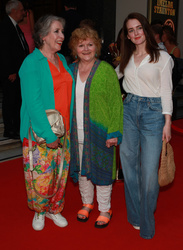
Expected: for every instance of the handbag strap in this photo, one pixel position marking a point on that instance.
(60, 167)
(164, 147)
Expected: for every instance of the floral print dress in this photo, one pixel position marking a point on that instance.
(46, 161)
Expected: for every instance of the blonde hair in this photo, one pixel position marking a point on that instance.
(82, 34)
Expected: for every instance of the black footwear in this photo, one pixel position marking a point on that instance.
(84, 212)
(104, 219)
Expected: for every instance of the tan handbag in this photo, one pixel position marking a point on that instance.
(166, 172)
(57, 125)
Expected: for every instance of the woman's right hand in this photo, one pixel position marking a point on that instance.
(53, 144)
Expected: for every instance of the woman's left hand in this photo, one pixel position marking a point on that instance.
(112, 142)
(167, 129)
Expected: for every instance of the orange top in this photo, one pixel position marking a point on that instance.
(62, 82)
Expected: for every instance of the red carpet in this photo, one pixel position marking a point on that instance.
(16, 219)
(177, 126)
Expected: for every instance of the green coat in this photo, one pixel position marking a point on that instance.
(103, 119)
(38, 95)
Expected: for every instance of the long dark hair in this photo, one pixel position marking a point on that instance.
(127, 47)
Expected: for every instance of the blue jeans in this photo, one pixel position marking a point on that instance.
(140, 152)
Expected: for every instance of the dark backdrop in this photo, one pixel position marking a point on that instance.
(103, 12)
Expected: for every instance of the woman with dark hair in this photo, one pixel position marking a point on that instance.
(147, 80)
(46, 83)
(170, 41)
(96, 125)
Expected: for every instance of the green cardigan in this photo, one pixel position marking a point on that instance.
(38, 95)
(103, 119)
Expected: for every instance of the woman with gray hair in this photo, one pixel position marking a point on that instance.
(46, 83)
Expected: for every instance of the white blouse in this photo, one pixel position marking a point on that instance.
(80, 88)
(150, 79)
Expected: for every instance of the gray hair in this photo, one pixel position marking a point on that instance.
(12, 4)
(42, 28)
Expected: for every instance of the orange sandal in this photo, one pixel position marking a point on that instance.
(103, 219)
(85, 212)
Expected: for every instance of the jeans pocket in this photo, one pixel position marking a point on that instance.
(127, 99)
(155, 106)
